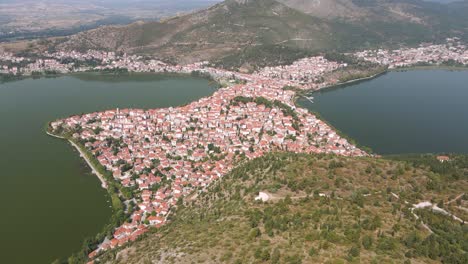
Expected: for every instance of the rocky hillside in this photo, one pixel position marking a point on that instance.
(238, 26)
(318, 209)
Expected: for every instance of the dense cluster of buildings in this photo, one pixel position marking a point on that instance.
(9, 63)
(59, 62)
(453, 52)
(305, 73)
(165, 154)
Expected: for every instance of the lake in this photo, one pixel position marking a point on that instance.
(416, 111)
(49, 200)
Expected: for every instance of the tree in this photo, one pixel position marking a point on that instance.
(312, 251)
(265, 256)
(367, 242)
(275, 257)
(294, 259)
(386, 243)
(358, 199)
(254, 233)
(354, 251)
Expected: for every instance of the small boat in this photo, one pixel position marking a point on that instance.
(310, 98)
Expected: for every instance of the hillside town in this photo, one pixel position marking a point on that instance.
(163, 155)
(452, 53)
(305, 72)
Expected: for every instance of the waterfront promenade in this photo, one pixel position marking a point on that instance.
(85, 157)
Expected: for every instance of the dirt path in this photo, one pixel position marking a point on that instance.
(455, 199)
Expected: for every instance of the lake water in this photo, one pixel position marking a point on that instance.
(417, 111)
(49, 200)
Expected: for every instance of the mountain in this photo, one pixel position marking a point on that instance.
(326, 9)
(229, 29)
(378, 10)
(320, 209)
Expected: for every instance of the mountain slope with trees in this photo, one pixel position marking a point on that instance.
(236, 27)
(321, 209)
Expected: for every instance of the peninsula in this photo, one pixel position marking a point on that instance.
(154, 158)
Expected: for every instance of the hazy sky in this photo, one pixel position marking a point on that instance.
(106, 1)
(120, 2)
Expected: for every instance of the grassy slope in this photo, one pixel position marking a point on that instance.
(360, 222)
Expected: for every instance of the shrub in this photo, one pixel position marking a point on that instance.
(367, 242)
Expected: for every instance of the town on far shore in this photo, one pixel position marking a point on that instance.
(160, 156)
(453, 52)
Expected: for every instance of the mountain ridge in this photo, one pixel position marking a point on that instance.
(229, 28)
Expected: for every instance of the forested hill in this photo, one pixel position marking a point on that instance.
(252, 27)
(320, 209)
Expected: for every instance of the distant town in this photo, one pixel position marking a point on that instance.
(452, 53)
(163, 155)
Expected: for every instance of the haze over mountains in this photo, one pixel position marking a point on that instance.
(42, 18)
(249, 27)
(237, 33)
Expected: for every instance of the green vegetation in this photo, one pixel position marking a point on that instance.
(448, 243)
(322, 209)
(262, 56)
(455, 169)
(356, 69)
(199, 74)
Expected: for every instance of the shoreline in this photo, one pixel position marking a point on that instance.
(432, 67)
(337, 85)
(9, 78)
(402, 69)
(304, 94)
(83, 155)
(93, 169)
(300, 94)
(343, 85)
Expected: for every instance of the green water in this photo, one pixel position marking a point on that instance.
(49, 200)
(418, 111)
